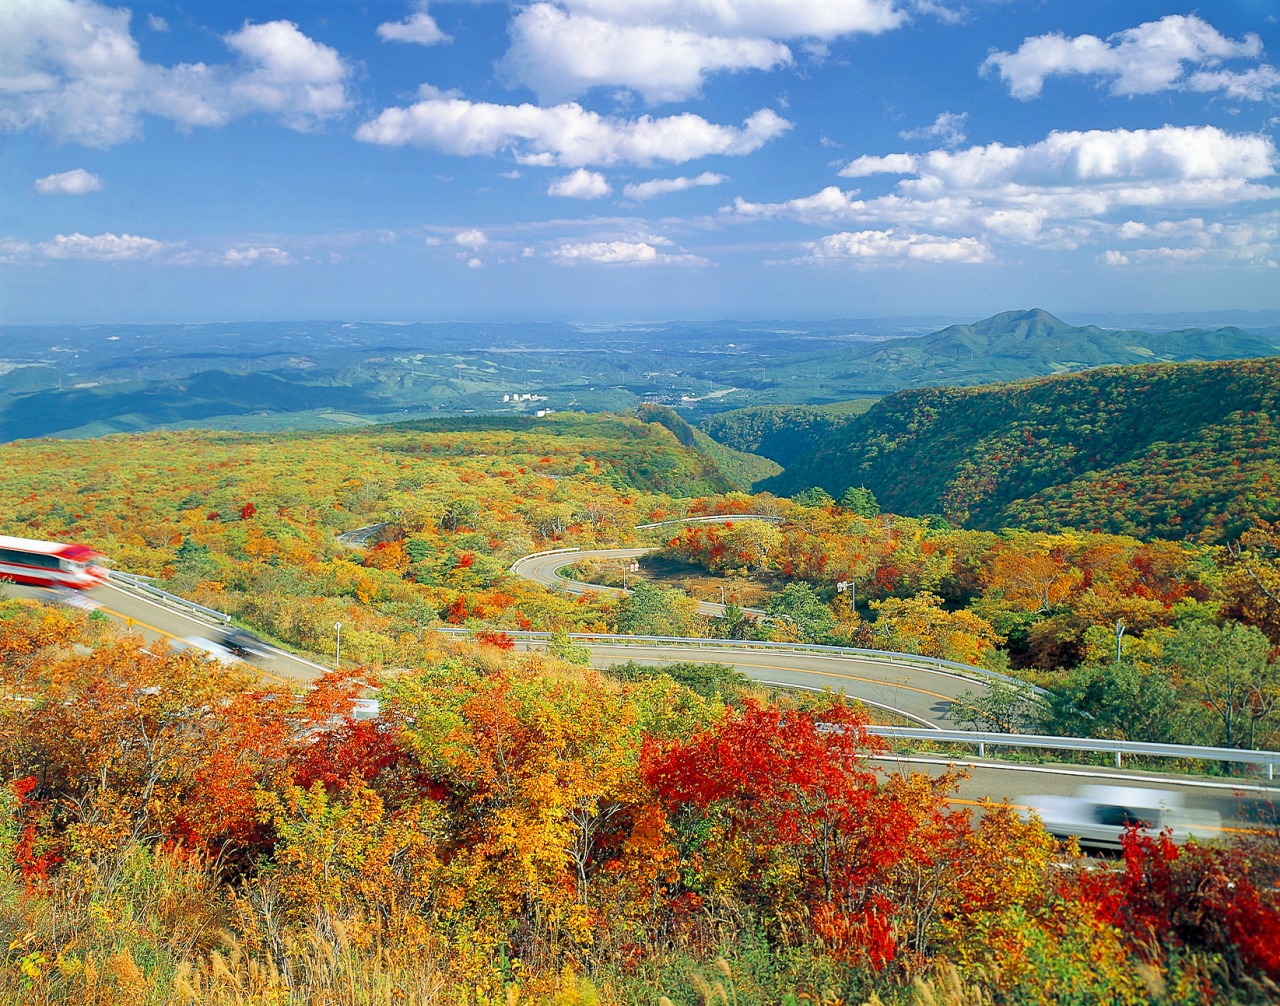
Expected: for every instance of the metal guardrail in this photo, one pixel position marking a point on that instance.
(888, 656)
(720, 518)
(539, 555)
(1091, 744)
(144, 586)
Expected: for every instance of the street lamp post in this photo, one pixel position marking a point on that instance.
(337, 657)
(1119, 634)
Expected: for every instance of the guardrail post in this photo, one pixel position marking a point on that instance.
(982, 749)
(1118, 765)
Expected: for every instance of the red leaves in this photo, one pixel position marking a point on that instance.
(1223, 900)
(789, 794)
(499, 639)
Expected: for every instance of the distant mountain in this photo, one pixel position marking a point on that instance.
(88, 381)
(1172, 450)
(1016, 344)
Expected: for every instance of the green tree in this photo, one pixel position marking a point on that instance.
(861, 501)
(1226, 668)
(655, 611)
(1005, 707)
(814, 496)
(1128, 701)
(560, 645)
(799, 605)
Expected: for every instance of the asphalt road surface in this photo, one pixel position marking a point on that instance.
(156, 621)
(918, 693)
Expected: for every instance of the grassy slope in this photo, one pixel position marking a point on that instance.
(742, 468)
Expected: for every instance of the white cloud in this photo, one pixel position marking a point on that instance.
(818, 19)
(889, 164)
(474, 263)
(665, 186)
(872, 247)
(566, 135)
(291, 75)
(947, 128)
(72, 70)
(473, 239)
(255, 255)
(156, 23)
(419, 28)
(622, 253)
(608, 252)
(102, 247)
(665, 49)
(1155, 56)
(580, 184)
(1196, 240)
(560, 55)
(76, 182)
(1069, 190)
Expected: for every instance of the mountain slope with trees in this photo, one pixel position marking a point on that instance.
(1173, 451)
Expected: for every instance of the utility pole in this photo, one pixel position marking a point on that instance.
(1119, 634)
(337, 657)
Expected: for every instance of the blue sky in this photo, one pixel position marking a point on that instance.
(596, 160)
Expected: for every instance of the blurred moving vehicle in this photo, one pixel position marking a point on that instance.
(243, 644)
(50, 563)
(1097, 816)
(211, 649)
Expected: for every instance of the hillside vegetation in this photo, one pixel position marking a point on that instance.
(742, 468)
(1172, 451)
(517, 828)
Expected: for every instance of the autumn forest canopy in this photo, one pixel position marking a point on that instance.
(519, 826)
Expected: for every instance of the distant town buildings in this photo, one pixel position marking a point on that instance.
(524, 397)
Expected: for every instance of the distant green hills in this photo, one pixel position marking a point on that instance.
(1018, 344)
(1161, 450)
(89, 381)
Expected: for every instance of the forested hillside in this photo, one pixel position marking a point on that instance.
(516, 827)
(1173, 450)
(782, 433)
(742, 467)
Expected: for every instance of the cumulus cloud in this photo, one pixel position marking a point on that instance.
(289, 74)
(665, 186)
(818, 19)
(580, 184)
(1177, 52)
(102, 247)
(71, 69)
(872, 246)
(869, 164)
(560, 55)
(419, 28)
(76, 182)
(636, 253)
(947, 128)
(1197, 240)
(665, 49)
(1069, 190)
(473, 239)
(566, 135)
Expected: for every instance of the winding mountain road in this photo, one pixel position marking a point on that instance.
(922, 695)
